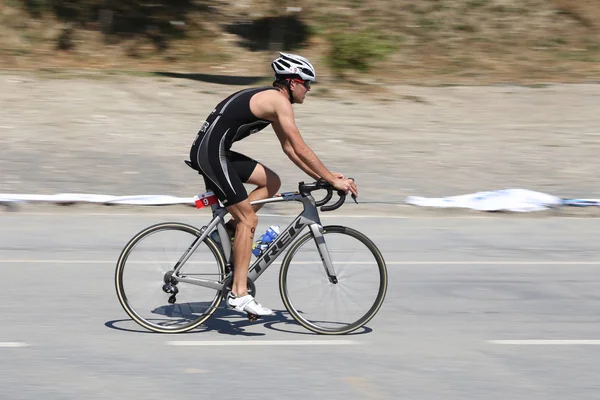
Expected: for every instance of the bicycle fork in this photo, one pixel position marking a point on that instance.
(317, 231)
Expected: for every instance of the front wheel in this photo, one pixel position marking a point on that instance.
(340, 304)
(149, 291)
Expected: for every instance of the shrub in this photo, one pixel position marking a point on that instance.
(357, 50)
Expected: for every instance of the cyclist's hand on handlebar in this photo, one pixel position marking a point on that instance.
(346, 185)
(338, 175)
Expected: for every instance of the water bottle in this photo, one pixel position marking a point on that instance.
(259, 246)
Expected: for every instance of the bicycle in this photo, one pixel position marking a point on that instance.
(322, 250)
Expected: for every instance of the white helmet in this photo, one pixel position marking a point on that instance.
(292, 64)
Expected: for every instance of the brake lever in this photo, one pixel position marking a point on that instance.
(352, 194)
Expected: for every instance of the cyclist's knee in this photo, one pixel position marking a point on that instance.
(246, 227)
(247, 219)
(250, 221)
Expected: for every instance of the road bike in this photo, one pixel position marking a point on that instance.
(171, 277)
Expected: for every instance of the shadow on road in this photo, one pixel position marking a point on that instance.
(219, 79)
(230, 322)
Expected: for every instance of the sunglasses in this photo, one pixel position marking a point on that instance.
(304, 83)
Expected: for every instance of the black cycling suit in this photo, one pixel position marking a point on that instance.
(226, 170)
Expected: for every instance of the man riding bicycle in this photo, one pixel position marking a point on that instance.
(241, 114)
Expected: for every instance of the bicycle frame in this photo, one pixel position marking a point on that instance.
(309, 217)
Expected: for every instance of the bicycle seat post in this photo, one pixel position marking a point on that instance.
(214, 208)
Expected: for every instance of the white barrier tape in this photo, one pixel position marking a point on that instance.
(516, 200)
(65, 198)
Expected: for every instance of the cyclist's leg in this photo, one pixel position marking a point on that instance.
(251, 171)
(244, 218)
(242, 246)
(267, 184)
(242, 249)
(222, 171)
(232, 193)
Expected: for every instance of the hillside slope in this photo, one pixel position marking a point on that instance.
(373, 41)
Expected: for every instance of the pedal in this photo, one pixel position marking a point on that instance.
(252, 317)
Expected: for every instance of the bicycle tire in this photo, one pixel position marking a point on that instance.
(297, 313)
(181, 232)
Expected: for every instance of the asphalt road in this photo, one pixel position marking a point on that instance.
(477, 307)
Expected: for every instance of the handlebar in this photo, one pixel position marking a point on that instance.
(307, 188)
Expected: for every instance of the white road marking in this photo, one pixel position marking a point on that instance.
(195, 371)
(263, 343)
(538, 342)
(419, 262)
(13, 344)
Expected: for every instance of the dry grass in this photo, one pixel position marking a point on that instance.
(434, 41)
(585, 11)
(479, 41)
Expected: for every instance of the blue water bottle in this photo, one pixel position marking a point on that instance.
(259, 246)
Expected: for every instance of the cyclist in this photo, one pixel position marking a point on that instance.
(241, 114)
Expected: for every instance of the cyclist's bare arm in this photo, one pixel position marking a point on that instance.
(274, 106)
(264, 105)
(289, 151)
(295, 147)
(297, 150)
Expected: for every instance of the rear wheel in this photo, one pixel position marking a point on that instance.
(147, 289)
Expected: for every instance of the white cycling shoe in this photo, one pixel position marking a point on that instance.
(247, 304)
